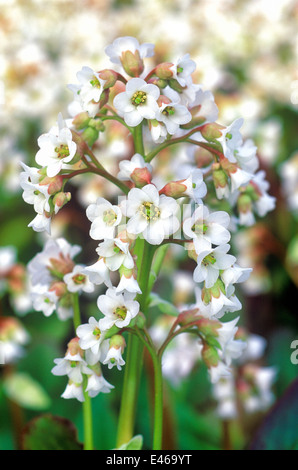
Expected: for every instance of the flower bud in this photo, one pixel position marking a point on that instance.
(54, 184)
(220, 180)
(59, 287)
(132, 63)
(141, 177)
(73, 348)
(90, 136)
(211, 132)
(210, 355)
(164, 71)
(60, 199)
(175, 189)
(109, 76)
(117, 342)
(81, 121)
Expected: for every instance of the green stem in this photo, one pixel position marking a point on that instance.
(87, 417)
(87, 409)
(158, 403)
(135, 350)
(138, 139)
(76, 310)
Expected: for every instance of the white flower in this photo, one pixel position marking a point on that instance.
(137, 102)
(196, 187)
(235, 274)
(97, 384)
(99, 273)
(171, 112)
(56, 148)
(43, 300)
(218, 372)
(89, 90)
(41, 223)
(114, 358)
(73, 390)
(205, 228)
(129, 284)
(230, 348)
(34, 193)
(265, 203)
(182, 70)
(204, 107)
(104, 217)
(127, 167)
(72, 365)
(58, 249)
(158, 131)
(91, 336)
(127, 43)
(231, 139)
(38, 196)
(115, 253)
(211, 262)
(78, 280)
(118, 309)
(152, 215)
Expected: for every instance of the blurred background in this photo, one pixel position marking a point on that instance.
(246, 54)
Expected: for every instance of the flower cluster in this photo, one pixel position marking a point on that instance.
(54, 277)
(157, 108)
(249, 388)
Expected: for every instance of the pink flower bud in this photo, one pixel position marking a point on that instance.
(141, 177)
(164, 71)
(132, 63)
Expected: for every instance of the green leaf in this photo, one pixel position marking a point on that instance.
(48, 432)
(279, 429)
(163, 305)
(26, 392)
(136, 443)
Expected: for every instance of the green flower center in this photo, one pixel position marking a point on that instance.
(139, 97)
(97, 333)
(79, 279)
(149, 211)
(169, 111)
(109, 217)
(209, 259)
(200, 228)
(62, 151)
(121, 312)
(95, 82)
